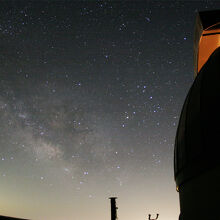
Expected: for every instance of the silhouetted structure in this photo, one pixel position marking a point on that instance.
(196, 156)
(149, 217)
(206, 37)
(10, 218)
(113, 208)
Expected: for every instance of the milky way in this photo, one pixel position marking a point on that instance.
(90, 97)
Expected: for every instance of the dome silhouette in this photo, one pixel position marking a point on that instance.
(197, 138)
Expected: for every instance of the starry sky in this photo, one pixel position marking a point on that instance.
(90, 98)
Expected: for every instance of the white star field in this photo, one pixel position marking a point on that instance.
(90, 97)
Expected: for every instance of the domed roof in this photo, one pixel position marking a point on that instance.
(197, 143)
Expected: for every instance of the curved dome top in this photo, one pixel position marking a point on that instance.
(197, 143)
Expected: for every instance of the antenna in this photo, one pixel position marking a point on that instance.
(149, 217)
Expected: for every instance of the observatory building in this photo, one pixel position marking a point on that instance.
(197, 144)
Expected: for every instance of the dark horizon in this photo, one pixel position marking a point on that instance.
(10, 218)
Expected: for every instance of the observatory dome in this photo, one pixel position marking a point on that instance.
(197, 143)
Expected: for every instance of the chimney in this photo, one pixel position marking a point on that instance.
(113, 208)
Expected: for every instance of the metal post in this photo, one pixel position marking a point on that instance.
(113, 208)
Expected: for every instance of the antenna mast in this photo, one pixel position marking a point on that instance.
(149, 217)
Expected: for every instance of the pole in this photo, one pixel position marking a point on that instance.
(113, 208)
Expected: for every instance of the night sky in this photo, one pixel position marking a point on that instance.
(90, 98)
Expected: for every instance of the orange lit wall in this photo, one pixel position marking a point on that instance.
(208, 43)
